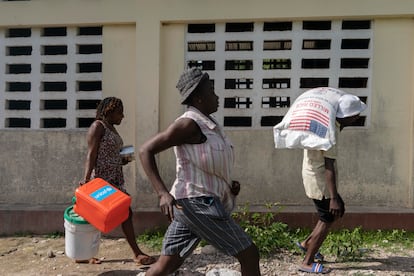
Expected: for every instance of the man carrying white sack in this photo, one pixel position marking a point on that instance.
(320, 183)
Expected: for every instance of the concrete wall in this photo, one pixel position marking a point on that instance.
(40, 167)
(375, 162)
(143, 46)
(382, 168)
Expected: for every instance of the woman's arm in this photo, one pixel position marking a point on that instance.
(95, 133)
(180, 132)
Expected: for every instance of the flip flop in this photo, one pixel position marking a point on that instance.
(317, 268)
(318, 255)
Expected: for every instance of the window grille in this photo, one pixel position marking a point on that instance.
(271, 64)
(201, 46)
(19, 32)
(201, 28)
(354, 63)
(277, 45)
(237, 102)
(238, 84)
(277, 26)
(317, 25)
(356, 25)
(312, 63)
(18, 105)
(313, 82)
(204, 65)
(260, 68)
(239, 65)
(239, 45)
(19, 51)
(270, 121)
(239, 27)
(275, 102)
(276, 83)
(316, 44)
(54, 68)
(51, 77)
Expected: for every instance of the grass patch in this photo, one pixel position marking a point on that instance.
(152, 239)
(55, 235)
(271, 236)
(23, 234)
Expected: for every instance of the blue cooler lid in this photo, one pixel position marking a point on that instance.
(73, 217)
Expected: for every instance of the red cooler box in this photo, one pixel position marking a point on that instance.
(101, 204)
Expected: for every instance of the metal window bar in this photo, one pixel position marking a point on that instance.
(277, 45)
(201, 46)
(270, 64)
(239, 65)
(275, 83)
(239, 45)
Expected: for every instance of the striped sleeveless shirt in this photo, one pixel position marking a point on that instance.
(204, 169)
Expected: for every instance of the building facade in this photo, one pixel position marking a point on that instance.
(59, 58)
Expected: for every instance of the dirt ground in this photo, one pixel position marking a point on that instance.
(38, 255)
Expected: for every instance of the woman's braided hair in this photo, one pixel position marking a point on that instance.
(106, 106)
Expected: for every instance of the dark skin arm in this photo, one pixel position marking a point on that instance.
(235, 187)
(183, 131)
(95, 133)
(335, 207)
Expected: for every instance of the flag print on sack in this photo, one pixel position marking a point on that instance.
(310, 120)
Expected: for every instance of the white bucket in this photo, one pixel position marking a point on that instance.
(82, 240)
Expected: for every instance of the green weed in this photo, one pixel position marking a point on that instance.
(268, 235)
(345, 244)
(152, 238)
(272, 236)
(55, 235)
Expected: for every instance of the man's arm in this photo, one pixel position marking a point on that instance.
(336, 206)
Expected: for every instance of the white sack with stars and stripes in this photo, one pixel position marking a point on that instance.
(310, 121)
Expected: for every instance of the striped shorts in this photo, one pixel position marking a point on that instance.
(203, 218)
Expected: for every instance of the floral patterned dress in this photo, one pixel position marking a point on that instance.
(109, 162)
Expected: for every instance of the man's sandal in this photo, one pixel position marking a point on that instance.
(318, 255)
(316, 268)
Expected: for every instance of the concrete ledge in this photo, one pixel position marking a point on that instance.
(41, 221)
(48, 221)
(369, 218)
(368, 221)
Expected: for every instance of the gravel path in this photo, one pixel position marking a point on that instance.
(26, 256)
(375, 263)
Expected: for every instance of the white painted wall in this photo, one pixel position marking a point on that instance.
(143, 44)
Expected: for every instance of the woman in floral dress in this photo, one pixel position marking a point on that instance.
(103, 160)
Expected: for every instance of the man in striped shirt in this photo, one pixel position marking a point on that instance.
(202, 196)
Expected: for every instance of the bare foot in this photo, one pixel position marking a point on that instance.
(90, 261)
(144, 260)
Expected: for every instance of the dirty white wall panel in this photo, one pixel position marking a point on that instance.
(43, 166)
